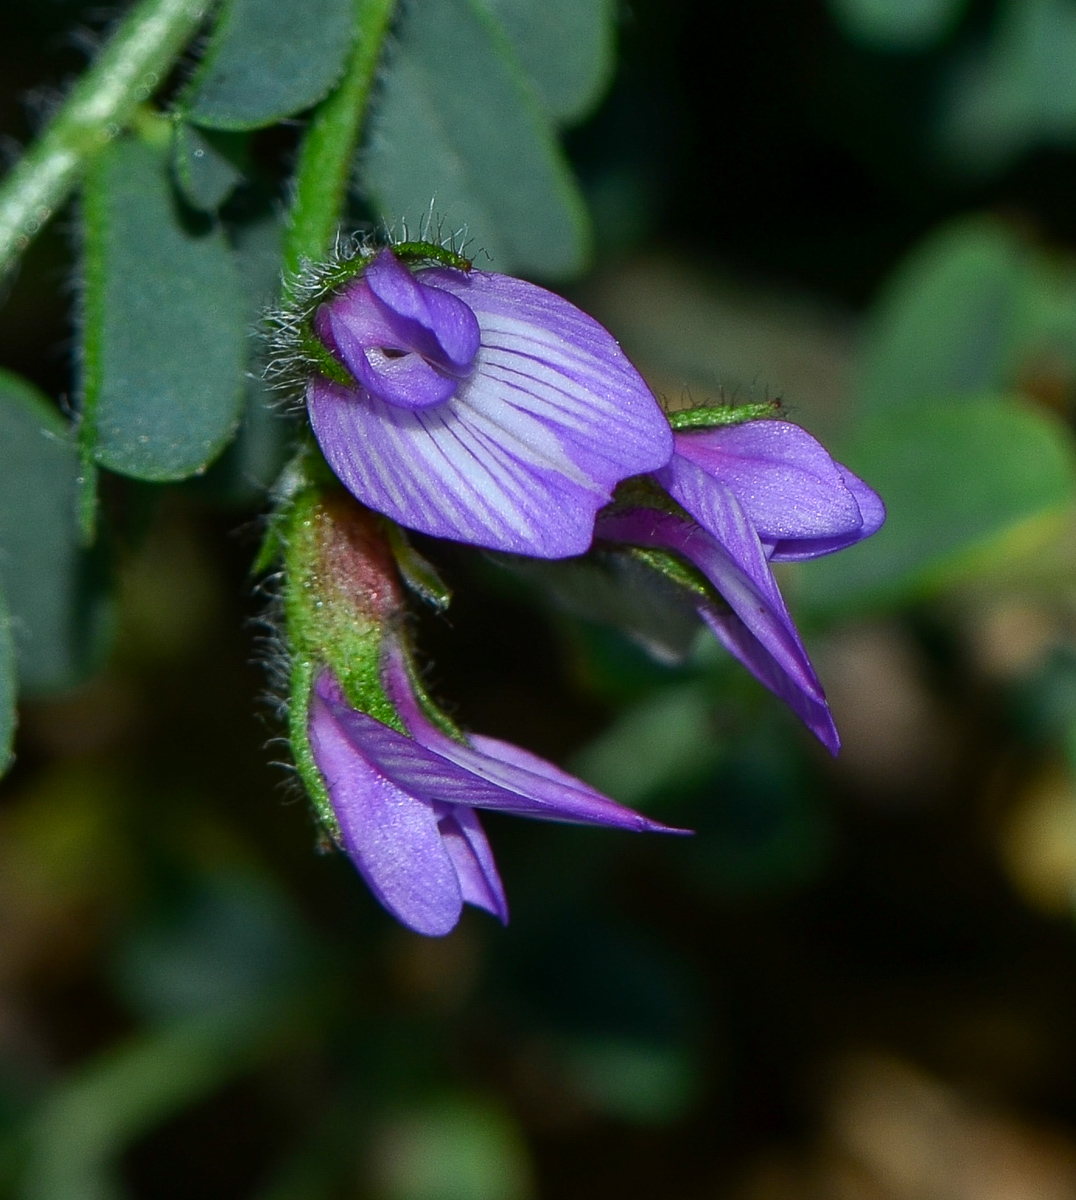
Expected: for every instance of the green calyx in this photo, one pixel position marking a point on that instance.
(676, 570)
(298, 352)
(642, 492)
(717, 416)
(344, 569)
(341, 596)
(420, 575)
(319, 282)
(319, 358)
(341, 593)
(429, 254)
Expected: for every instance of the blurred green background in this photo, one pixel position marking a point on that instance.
(859, 979)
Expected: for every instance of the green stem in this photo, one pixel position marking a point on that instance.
(321, 177)
(126, 73)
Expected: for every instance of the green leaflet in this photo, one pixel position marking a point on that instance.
(137, 58)
(1015, 91)
(324, 165)
(457, 132)
(7, 687)
(898, 24)
(566, 48)
(269, 59)
(164, 325)
(57, 614)
(948, 320)
(959, 480)
(204, 175)
(665, 741)
(247, 469)
(973, 310)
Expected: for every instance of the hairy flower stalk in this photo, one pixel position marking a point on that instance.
(394, 783)
(747, 496)
(473, 406)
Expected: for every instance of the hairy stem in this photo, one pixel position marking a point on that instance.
(101, 104)
(321, 177)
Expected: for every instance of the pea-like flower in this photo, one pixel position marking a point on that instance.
(406, 805)
(750, 495)
(479, 407)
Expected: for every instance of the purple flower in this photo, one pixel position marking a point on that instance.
(484, 409)
(756, 493)
(406, 805)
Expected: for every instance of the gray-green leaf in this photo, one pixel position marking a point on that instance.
(7, 687)
(958, 481)
(898, 24)
(56, 610)
(566, 48)
(1018, 91)
(947, 323)
(269, 59)
(457, 127)
(164, 325)
(245, 471)
(205, 176)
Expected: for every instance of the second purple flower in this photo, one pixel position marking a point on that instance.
(747, 496)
